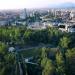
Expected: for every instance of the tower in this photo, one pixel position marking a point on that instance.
(23, 14)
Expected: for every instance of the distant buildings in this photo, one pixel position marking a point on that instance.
(71, 28)
(64, 19)
(23, 14)
(72, 14)
(36, 25)
(2, 22)
(57, 13)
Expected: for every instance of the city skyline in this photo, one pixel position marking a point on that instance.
(17, 4)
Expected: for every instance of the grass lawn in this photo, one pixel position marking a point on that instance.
(35, 52)
(29, 53)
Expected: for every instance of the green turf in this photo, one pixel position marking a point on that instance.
(29, 53)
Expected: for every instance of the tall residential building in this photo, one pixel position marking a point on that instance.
(23, 14)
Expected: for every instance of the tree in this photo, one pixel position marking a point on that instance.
(46, 64)
(64, 42)
(10, 58)
(43, 57)
(70, 61)
(43, 53)
(60, 64)
(3, 48)
(48, 67)
(27, 36)
(2, 71)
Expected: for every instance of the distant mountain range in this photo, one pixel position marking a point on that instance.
(64, 5)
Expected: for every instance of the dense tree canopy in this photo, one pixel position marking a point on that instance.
(50, 62)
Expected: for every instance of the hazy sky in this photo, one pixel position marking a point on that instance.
(13, 4)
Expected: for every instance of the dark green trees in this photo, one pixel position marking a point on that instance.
(46, 64)
(64, 42)
(60, 64)
(70, 61)
(7, 60)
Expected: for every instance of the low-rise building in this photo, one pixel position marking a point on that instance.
(67, 27)
(72, 14)
(36, 25)
(71, 28)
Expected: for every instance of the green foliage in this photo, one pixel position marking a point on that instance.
(6, 60)
(51, 62)
(10, 57)
(60, 64)
(64, 42)
(70, 61)
(3, 48)
(48, 67)
(43, 53)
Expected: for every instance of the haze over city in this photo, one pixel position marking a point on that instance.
(16, 4)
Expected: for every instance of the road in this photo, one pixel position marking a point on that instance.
(19, 63)
(20, 68)
(36, 47)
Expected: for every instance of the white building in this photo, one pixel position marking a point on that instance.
(67, 27)
(71, 28)
(36, 25)
(72, 14)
